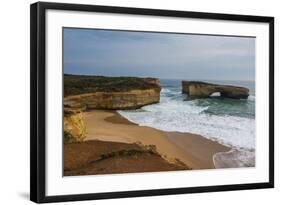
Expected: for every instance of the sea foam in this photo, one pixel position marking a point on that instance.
(174, 114)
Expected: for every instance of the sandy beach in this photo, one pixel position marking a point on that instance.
(193, 150)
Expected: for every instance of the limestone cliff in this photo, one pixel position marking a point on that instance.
(98, 92)
(202, 89)
(111, 100)
(74, 127)
(83, 93)
(153, 81)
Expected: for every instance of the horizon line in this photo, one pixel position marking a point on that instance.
(164, 78)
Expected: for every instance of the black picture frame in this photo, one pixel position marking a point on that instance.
(38, 100)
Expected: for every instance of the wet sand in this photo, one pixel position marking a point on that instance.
(193, 150)
(199, 149)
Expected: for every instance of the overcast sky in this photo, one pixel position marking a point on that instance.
(162, 55)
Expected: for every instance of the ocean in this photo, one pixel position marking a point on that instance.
(230, 122)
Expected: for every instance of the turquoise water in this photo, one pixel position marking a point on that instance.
(217, 105)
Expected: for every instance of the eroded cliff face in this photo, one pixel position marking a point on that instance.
(202, 89)
(154, 81)
(74, 106)
(74, 127)
(97, 92)
(111, 100)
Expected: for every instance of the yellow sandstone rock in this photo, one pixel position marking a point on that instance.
(201, 90)
(112, 100)
(74, 128)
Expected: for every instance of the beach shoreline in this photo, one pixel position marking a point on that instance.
(193, 150)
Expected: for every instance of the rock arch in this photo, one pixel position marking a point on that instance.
(202, 90)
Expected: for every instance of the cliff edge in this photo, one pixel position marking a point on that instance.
(98, 92)
(82, 93)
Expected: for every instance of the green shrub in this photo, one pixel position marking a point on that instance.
(79, 84)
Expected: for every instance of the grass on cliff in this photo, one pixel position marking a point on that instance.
(149, 149)
(80, 84)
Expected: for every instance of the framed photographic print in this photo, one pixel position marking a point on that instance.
(129, 102)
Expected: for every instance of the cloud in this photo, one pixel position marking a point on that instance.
(115, 53)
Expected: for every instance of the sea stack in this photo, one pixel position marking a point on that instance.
(198, 89)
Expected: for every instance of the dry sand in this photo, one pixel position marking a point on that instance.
(194, 150)
(103, 157)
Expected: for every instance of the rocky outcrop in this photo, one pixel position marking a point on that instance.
(153, 81)
(82, 93)
(111, 100)
(74, 127)
(199, 89)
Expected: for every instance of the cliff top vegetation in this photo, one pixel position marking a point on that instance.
(80, 84)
